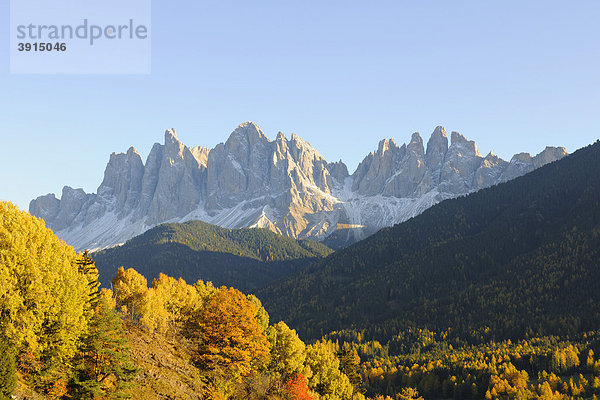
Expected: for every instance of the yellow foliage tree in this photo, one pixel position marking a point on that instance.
(326, 378)
(129, 287)
(44, 299)
(153, 314)
(230, 338)
(178, 300)
(287, 351)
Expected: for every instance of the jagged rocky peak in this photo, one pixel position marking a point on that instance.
(521, 158)
(237, 168)
(46, 207)
(201, 155)
(249, 166)
(460, 164)
(246, 146)
(338, 170)
(439, 135)
(172, 143)
(409, 171)
(548, 155)
(371, 174)
(416, 145)
(437, 146)
(170, 135)
(303, 151)
(522, 163)
(71, 203)
(123, 179)
(492, 159)
(489, 171)
(245, 136)
(392, 170)
(175, 151)
(458, 140)
(174, 180)
(311, 165)
(281, 148)
(386, 145)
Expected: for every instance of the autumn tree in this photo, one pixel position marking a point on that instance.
(327, 379)
(287, 351)
(262, 317)
(172, 301)
(44, 298)
(229, 336)
(205, 290)
(297, 389)
(129, 287)
(409, 394)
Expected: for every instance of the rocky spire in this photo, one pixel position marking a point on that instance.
(437, 146)
(123, 180)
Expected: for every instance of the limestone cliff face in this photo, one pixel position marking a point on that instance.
(123, 180)
(179, 178)
(284, 185)
(411, 171)
(282, 180)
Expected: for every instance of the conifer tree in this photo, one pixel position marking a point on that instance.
(87, 267)
(349, 364)
(103, 366)
(8, 369)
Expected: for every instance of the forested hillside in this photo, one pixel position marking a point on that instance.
(243, 258)
(512, 261)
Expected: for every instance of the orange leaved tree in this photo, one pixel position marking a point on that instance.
(230, 339)
(297, 389)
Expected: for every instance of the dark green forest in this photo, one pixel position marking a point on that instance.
(243, 258)
(516, 260)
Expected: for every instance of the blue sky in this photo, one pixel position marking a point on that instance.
(511, 75)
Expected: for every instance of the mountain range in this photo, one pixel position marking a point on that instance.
(283, 185)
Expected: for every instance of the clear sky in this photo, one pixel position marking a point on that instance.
(511, 75)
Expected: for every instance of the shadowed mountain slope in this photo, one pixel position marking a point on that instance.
(521, 258)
